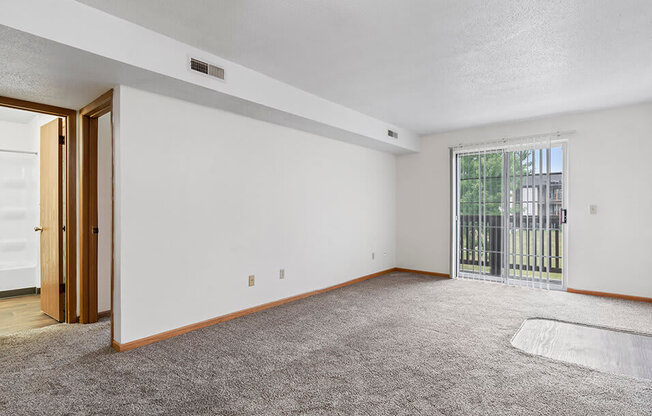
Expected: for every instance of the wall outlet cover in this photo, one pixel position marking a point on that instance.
(251, 280)
(281, 274)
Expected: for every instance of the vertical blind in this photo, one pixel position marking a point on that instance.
(509, 197)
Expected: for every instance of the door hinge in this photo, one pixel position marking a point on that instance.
(62, 288)
(62, 139)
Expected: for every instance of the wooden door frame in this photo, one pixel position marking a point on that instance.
(88, 312)
(69, 256)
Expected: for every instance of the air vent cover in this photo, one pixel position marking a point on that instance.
(392, 133)
(206, 68)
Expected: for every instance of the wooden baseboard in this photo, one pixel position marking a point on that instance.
(400, 269)
(609, 295)
(192, 327)
(100, 315)
(116, 346)
(20, 292)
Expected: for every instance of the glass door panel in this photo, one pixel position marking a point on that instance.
(508, 216)
(480, 200)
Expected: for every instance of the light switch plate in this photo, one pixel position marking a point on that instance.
(251, 280)
(281, 274)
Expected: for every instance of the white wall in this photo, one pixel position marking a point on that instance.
(18, 207)
(17, 136)
(609, 158)
(19, 204)
(104, 211)
(205, 198)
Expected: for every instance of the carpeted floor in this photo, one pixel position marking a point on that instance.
(400, 344)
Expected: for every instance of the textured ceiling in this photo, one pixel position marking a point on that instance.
(424, 64)
(36, 69)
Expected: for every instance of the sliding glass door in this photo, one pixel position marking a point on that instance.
(509, 211)
(480, 206)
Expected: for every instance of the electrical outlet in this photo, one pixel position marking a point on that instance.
(251, 279)
(281, 274)
(373, 255)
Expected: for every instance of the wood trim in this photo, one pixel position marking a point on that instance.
(100, 106)
(119, 347)
(19, 292)
(61, 220)
(102, 314)
(192, 327)
(70, 164)
(88, 209)
(71, 218)
(112, 217)
(36, 107)
(84, 221)
(400, 269)
(609, 295)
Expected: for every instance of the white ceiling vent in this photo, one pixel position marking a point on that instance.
(206, 68)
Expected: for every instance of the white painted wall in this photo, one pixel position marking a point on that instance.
(19, 187)
(17, 136)
(104, 212)
(19, 204)
(205, 198)
(609, 159)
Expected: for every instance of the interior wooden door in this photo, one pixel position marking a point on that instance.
(51, 227)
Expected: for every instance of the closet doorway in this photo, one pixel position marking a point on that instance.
(96, 210)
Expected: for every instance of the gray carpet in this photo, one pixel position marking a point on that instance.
(393, 345)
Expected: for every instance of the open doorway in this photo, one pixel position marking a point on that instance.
(96, 210)
(39, 204)
(33, 192)
(104, 213)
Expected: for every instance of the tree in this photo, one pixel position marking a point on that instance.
(481, 177)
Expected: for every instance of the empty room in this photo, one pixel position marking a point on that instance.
(325, 207)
